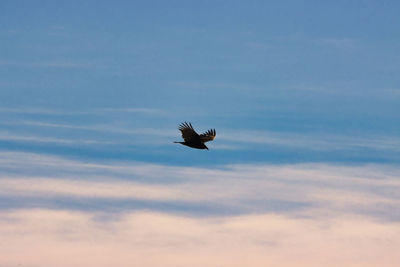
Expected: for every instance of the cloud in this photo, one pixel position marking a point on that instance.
(230, 215)
(157, 239)
(296, 189)
(101, 128)
(227, 139)
(57, 63)
(6, 136)
(38, 187)
(339, 42)
(393, 92)
(134, 110)
(49, 111)
(33, 110)
(312, 141)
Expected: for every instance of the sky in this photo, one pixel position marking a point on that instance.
(304, 97)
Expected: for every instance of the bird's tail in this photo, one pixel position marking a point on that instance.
(177, 142)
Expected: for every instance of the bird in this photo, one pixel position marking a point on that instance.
(194, 140)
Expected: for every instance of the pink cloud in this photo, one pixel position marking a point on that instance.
(62, 238)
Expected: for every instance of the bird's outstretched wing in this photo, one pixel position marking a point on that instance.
(208, 136)
(188, 133)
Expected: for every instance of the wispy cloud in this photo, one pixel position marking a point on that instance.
(394, 92)
(33, 110)
(6, 136)
(227, 139)
(41, 110)
(370, 190)
(338, 42)
(313, 141)
(100, 128)
(122, 135)
(58, 63)
(153, 111)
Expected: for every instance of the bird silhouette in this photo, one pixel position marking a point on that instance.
(194, 140)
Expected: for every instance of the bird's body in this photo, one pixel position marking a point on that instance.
(194, 140)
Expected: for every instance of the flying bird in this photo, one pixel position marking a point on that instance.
(192, 139)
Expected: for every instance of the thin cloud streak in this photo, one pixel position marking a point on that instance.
(61, 63)
(235, 140)
(49, 111)
(134, 110)
(312, 141)
(102, 128)
(5, 136)
(37, 187)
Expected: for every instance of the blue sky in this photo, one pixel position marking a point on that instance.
(304, 96)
